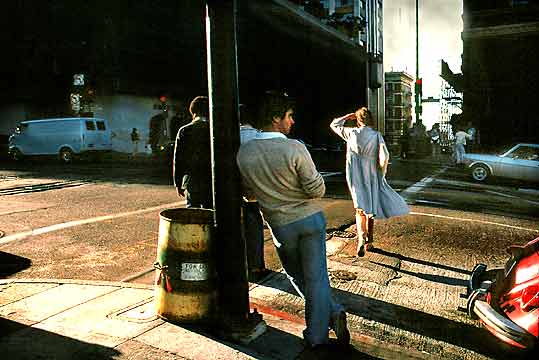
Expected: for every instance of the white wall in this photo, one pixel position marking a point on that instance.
(125, 112)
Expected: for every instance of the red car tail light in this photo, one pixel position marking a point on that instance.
(530, 298)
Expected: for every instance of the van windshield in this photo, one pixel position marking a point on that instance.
(100, 125)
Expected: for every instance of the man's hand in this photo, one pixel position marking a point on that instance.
(181, 192)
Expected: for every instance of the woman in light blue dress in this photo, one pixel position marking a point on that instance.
(367, 158)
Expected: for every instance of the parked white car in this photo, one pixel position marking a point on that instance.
(520, 162)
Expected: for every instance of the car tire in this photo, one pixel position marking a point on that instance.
(480, 172)
(66, 155)
(17, 155)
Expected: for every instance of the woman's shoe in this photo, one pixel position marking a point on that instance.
(361, 248)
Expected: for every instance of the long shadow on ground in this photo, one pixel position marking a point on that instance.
(11, 264)
(19, 341)
(435, 327)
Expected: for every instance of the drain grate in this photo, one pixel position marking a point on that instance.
(27, 189)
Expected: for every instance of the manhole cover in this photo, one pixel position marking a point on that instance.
(141, 313)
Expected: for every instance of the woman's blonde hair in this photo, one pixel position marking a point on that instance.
(364, 116)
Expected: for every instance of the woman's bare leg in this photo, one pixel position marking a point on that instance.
(361, 225)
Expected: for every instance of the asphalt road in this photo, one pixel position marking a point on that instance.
(99, 219)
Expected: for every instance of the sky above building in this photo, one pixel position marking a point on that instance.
(440, 27)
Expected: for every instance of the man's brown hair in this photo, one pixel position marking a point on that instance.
(200, 106)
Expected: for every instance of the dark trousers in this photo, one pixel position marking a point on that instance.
(253, 230)
(198, 200)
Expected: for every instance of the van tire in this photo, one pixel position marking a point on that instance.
(66, 155)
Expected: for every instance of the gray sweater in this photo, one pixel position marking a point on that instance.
(281, 174)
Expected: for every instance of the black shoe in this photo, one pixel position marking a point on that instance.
(341, 329)
(361, 248)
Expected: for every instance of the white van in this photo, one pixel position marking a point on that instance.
(64, 137)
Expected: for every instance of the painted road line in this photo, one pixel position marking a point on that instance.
(511, 197)
(474, 220)
(421, 184)
(61, 226)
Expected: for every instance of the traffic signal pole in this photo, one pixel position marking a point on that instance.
(235, 320)
(419, 84)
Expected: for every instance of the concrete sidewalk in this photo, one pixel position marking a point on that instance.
(70, 319)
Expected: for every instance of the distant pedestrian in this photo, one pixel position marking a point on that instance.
(435, 141)
(135, 138)
(366, 165)
(473, 140)
(157, 127)
(192, 162)
(253, 224)
(460, 143)
(281, 174)
(405, 141)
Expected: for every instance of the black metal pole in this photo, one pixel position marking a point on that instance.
(221, 49)
(417, 96)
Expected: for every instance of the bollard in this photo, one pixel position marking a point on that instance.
(185, 281)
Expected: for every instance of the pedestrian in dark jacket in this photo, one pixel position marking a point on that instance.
(192, 162)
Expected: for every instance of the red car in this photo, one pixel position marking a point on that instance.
(506, 300)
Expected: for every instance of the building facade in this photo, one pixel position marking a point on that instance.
(500, 71)
(398, 108)
(362, 22)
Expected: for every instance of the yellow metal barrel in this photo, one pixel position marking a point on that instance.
(185, 282)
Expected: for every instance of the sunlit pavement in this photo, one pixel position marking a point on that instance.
(402, 299)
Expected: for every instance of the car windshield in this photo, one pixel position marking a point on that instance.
(505, 149)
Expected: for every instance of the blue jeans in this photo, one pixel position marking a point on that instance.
(459, 153)
(253, 230)
(301, 246)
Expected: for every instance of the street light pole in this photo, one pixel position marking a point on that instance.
(418, 108)
(235, 320)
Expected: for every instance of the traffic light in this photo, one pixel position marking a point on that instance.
(163, 103)
(419, 88)
(418, 95)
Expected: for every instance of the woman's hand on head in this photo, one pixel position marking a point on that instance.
(351, 116)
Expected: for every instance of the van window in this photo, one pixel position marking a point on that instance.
(100, 125)
(90, 125)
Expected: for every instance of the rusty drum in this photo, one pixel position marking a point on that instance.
(185, 279)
